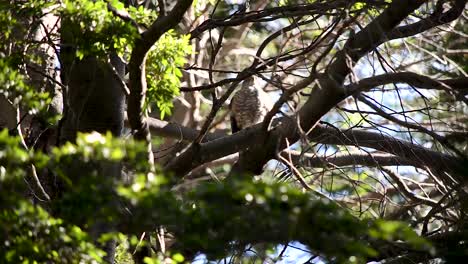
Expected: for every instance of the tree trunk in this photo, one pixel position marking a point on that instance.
(94, 101)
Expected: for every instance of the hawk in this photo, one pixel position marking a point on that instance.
(249, 105)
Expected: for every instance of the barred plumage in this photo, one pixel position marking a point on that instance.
(249, 106)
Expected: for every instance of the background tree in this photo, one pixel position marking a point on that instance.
(116, 118)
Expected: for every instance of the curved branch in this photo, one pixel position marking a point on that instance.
(442, 140)
(436, 19)
(419, 155)
(218, 145)
(331, 91)
(136, 99)
(322, 99)
(352, 159)
(411, 78)
(407, 191)
(268, 14)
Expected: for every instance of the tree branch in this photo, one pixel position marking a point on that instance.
(411, 78)
(268, 14)
(136, 99)
(351, 159)
(436, 19)
(322, 99)
(218, 145)
(403, 149)
(442, 140)
(330, 92)
(407, 192)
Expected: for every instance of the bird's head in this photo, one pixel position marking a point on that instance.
(249, 82)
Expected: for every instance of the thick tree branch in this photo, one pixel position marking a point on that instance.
(218, 145)
(322, 99)
(369, 38)
(136, 99)
(417, 80)
(436, 19)
(403, 149)
(351, 159)
(176, 131)
(330, 92)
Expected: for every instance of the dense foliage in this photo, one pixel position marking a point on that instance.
(334, 194)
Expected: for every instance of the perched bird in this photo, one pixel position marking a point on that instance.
(249, 105)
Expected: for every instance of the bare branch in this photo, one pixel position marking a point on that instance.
(422, 129)
(352, 159)
(436, 19)
(417, 80)
(406, 191)
(218, 145)
(422, 156)
(269, 15)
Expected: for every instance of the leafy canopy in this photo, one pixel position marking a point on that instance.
(94, 30)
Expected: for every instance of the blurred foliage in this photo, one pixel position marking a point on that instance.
(14, 88)
(213, 218)
(17, 20)
(17, 12)
(31, 235)
(7, 21)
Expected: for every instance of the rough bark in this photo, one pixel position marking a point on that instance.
(94, 101)
(217, 145)
(7, 114)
